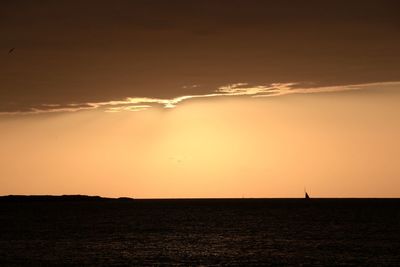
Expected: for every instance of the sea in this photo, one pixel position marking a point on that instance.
(201, 232)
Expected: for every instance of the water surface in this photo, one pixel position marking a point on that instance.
(234, 232)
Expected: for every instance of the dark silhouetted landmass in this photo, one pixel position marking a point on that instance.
(62, 198)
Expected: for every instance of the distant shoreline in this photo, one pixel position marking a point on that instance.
(45, 198)
(87, 198)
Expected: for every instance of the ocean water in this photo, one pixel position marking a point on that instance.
(230, 232)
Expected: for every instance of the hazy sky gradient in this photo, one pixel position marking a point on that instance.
(336, 144)
(229, 98)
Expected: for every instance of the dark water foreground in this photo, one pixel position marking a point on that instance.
(236, 232)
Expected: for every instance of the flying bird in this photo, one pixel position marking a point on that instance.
(11, 50)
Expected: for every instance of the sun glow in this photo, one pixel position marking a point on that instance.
(338, 144)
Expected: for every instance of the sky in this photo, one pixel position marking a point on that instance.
(171, 99)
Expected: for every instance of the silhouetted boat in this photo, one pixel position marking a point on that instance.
(306, 196)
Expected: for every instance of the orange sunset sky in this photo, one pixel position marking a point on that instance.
(170, 99)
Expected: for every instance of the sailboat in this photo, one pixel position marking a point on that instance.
(306, 196)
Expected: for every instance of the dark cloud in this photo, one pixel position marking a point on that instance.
(92, 51)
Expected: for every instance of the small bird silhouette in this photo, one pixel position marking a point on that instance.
(11, 50)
